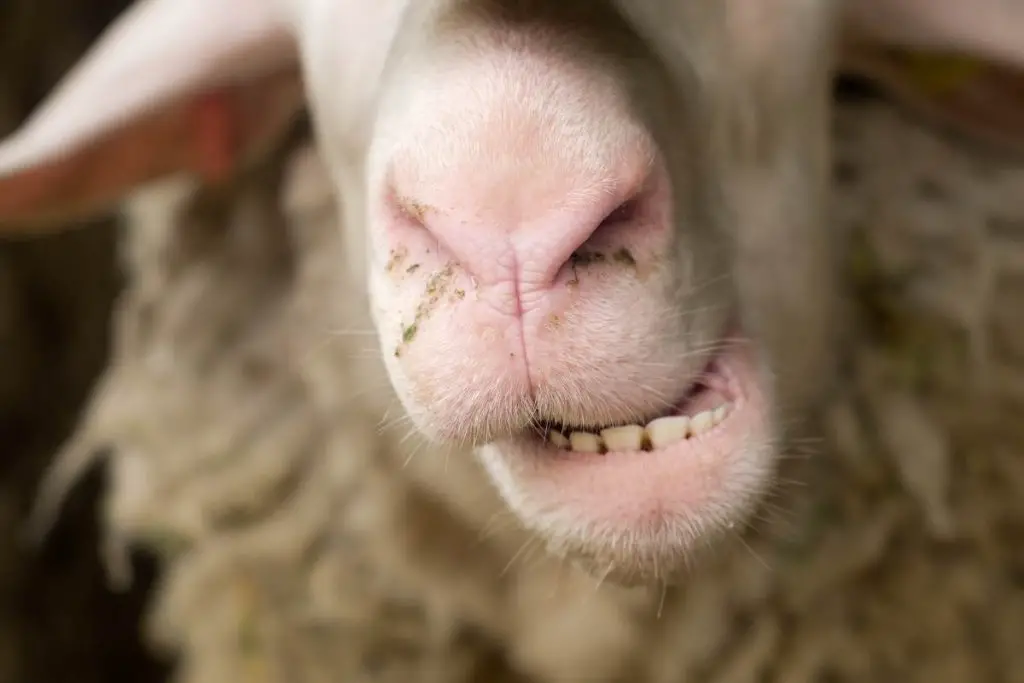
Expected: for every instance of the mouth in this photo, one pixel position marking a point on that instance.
(650, 492)
(704, 406)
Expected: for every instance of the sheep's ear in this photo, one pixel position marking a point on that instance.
(172, 86)
(988, 30)
(961, 65)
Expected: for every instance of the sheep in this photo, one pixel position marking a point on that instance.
(260, 349)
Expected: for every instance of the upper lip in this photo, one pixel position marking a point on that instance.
(696, 385)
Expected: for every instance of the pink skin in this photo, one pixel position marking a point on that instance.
(512, 319)
(473, 247)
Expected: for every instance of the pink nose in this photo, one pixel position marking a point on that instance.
(538, 239)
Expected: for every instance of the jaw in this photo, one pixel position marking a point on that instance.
(638, 514)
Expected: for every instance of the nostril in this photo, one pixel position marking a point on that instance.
(438, 233)
(612, 228)
(417, 224)
(408, 211)
(525, 231)
(623, 213)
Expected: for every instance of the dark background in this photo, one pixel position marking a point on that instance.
(58, 621)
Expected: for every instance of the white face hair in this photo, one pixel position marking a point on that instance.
(590, 232)
(550, 254)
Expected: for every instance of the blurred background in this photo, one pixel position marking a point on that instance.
(58, 621)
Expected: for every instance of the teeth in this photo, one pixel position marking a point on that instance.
(701, 422)
(626, 438)
(558, 439)
(659, 433)
(666, 431)
(585, 442)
